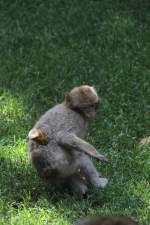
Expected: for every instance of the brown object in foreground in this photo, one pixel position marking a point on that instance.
(145, 140)
(109, 221)
(39, 136)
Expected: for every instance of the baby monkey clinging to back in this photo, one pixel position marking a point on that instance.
(56, 146)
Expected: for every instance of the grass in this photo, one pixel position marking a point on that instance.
(48, 47)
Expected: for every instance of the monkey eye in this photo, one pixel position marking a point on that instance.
(92, 105)
(95, 105)
(86, 107)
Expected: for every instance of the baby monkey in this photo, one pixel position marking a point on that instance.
(57, 147)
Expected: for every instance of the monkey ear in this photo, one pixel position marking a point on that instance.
(68, 99)
(38, 135)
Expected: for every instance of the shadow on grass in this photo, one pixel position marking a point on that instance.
(19, 182)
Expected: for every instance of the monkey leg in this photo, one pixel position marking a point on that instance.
(92, 175)
(78, 185)
(43, 166)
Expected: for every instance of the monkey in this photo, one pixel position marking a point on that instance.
(108, 221)
(57, 148)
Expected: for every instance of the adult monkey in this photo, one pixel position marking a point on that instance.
(56, 146)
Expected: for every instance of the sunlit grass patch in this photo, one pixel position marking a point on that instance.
(14, 118)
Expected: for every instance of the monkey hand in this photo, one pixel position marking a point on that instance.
(101, 158)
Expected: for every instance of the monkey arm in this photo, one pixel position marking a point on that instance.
(71, 141)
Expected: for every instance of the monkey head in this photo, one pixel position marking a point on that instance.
(84, 100)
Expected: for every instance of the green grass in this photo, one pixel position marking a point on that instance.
(48, 47)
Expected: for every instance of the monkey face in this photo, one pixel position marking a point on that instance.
(83, 100)
(88, 111)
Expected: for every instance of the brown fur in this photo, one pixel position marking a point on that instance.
(39, 136)
(80, 96)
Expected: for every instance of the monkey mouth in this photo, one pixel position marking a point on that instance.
(90, 116)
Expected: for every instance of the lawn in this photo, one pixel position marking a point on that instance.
(48, 47)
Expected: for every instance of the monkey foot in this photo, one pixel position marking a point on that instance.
(103, 182)
(100, 183)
